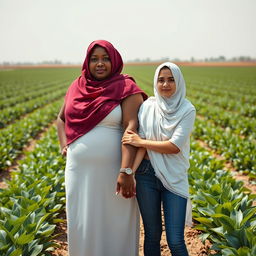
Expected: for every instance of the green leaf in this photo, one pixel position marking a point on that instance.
(204, 220)
(216, 188)
(33, 207)
(5, 210)
(229, 252)
(56, 208)
(204, 236)
(218, 230)
(248, 215)
(18, 221)
(227, 222)
(228, 206)
(243, 203)
(51, 245)
(17, 252)
(42, 219)
(250, 235)
(8, 233)
(244, 251)
(4, 247)
(3, 235)
(253, 252)
(36, 250)
(211, 200)
(232, 241)
(239, 218)
(206, 211)
(25, 238)
(47, 230)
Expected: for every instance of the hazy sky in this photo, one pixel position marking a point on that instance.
(39, 30)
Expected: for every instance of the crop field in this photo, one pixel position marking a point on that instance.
(223, 153)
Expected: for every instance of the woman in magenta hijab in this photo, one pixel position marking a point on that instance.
(100, 106)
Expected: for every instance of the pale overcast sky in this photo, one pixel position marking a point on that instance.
(39, 30)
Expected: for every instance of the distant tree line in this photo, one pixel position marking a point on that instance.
(223, 59)
(46, 62)
(192, 59)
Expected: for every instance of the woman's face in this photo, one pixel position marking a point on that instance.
(99, 63)
(166, 85)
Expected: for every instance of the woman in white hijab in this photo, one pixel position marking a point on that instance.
(166, 122)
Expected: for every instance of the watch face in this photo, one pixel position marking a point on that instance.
(128, 171)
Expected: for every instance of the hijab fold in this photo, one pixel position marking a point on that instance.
(88, 101)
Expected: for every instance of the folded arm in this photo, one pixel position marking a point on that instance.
(163, 147)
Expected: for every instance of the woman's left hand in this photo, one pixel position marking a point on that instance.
(132, 138)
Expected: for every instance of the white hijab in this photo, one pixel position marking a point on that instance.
(158, 118)
(170, 111)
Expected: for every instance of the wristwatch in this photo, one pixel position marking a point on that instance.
(128, 171)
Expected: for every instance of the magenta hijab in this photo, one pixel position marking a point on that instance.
(88, 101)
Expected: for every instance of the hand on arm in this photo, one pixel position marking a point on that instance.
(163, 147)
(61, 131)
(130, 107)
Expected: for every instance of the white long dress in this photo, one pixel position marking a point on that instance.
(100, 223)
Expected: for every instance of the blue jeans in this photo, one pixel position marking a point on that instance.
(150, 194)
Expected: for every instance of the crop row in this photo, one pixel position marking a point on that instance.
(239, 106)
(230, 88)
(211, 90)
(33, 94)
(30, 206)
(218, 88)
(14, 137)
(18, 82)
(222, 207)
(240, 125)
(239, 151)
(242, 105)
(228, 80)
(235, 82)
(13, 113)
(11, 91)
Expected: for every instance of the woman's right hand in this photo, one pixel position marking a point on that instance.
(132, 138)
(64, 150)
(126, 185)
